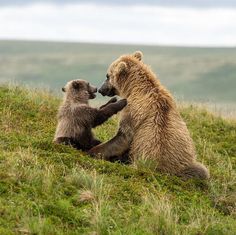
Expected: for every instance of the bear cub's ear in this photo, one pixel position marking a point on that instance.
(121, 68)
(138, 55)
(76, 85)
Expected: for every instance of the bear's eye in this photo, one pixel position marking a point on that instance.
(107, 76)
(76, 85)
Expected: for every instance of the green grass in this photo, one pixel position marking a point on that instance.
(54, 189)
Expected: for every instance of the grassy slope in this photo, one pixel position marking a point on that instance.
(48, 189)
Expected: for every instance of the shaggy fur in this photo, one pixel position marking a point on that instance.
(76, 118)
(150, 125)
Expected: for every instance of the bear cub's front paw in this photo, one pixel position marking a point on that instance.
(122, 103)
(112, 100)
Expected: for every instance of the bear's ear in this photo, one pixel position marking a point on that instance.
(76, 84)
(121, 68)
(138, 55)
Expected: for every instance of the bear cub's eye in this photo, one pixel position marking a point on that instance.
(76, 85)
(107, 76)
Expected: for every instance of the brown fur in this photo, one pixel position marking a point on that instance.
(150, 125)
(76, 118)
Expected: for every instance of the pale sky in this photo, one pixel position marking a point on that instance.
(191, 23)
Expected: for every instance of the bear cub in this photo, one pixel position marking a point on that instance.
(76, 118)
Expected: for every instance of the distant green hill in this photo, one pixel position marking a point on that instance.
(192, 74)
(50, 189)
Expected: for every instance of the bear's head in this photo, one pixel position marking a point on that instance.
(79, 90)
(118, 73)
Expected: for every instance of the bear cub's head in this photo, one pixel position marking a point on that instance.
(79, 90)
(117, 73)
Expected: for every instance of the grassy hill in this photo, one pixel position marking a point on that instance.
(192, 74)
(49, 189)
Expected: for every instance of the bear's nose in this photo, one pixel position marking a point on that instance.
(102, 91)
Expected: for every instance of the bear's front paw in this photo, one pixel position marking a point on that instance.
(94, 152)
(112, 100)
(122, 103)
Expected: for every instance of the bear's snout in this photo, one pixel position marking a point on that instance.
(103, 91)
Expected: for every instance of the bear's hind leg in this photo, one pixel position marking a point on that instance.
(68, 141)
(64, 140)
(195, 170)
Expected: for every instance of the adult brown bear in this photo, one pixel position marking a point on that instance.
(150, 124)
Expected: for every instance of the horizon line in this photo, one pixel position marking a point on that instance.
(115, 43)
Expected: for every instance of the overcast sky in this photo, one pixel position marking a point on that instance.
(161, 22)
(176, 3)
